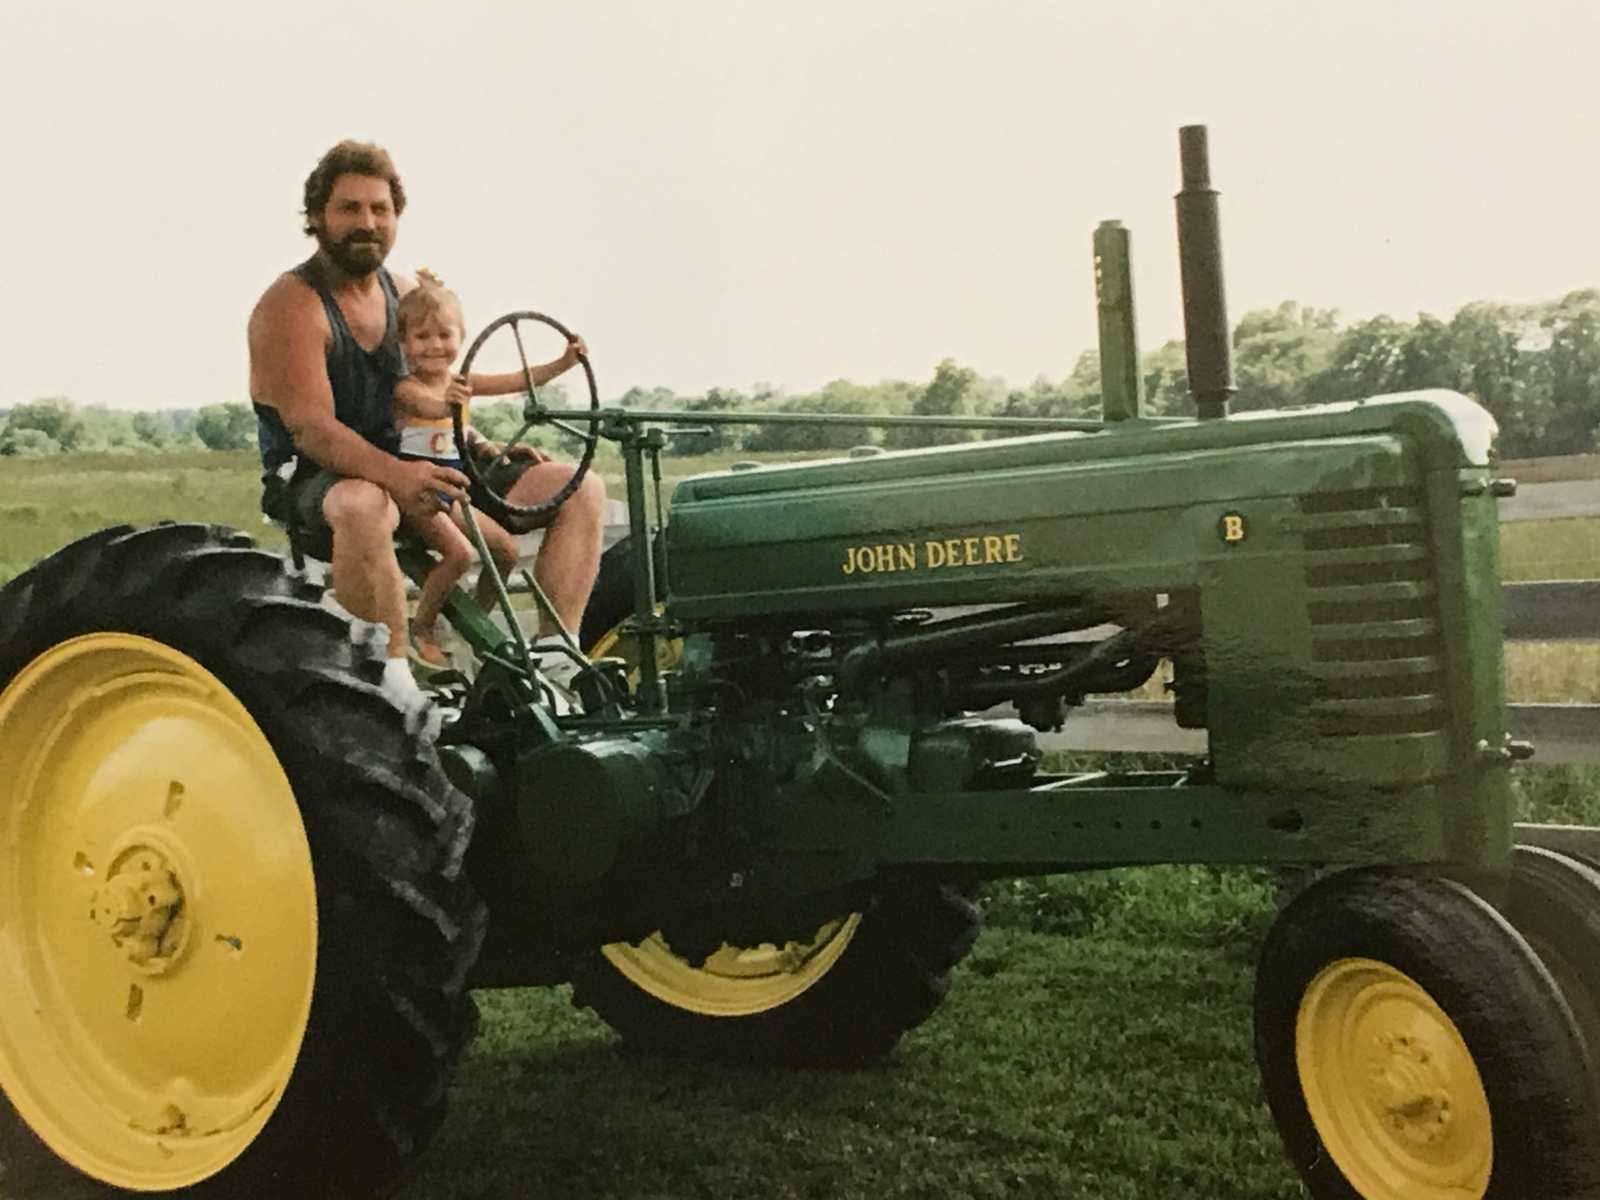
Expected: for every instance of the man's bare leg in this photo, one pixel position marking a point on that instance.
(366, 577)
(569, 556)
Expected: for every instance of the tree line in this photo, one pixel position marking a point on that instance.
(1535, 367)
(54, 425)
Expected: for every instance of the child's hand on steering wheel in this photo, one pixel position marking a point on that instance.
(576, 349)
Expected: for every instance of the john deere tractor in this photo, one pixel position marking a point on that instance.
(244, 897)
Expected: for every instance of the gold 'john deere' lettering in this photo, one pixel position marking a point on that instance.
(932, 553)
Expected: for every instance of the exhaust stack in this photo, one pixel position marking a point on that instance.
(1206, 336)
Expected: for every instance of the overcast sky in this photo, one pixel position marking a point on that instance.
(727, 193)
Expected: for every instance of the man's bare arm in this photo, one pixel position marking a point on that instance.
(288, 335)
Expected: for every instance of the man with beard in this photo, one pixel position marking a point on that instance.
(324, 359)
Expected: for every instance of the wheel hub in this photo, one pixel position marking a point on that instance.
(143, 906)
(1409, 1090)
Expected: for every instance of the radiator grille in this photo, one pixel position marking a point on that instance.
(1377, 649)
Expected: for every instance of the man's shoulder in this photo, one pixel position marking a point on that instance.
(403, 283)
(291, 286)
(289, 299)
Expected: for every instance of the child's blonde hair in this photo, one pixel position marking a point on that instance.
(430, 296)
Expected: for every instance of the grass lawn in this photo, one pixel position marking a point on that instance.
(1059, 1067)
(1102, 1068)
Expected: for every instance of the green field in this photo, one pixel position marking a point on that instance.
(1558, 549)
(47, 502)
(1096, 1044)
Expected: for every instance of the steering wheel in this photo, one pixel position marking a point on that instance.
(479, 474)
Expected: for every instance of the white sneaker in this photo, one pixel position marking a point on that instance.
(560, 671)
(559, 667)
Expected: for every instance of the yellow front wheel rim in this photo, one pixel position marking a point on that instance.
(1391, 1087)
(157, 913)
(736, 981)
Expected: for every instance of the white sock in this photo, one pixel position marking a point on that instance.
(331, 603)
(400, 686)
(397, 677)
(362, 633)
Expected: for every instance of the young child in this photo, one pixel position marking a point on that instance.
(431, 329)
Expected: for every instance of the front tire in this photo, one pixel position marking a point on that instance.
(232, 886)
(1413, 1047)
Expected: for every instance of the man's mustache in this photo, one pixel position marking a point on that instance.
(362, 239)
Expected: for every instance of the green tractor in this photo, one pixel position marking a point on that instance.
(244, 898)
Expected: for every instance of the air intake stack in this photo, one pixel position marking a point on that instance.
(1121, 382)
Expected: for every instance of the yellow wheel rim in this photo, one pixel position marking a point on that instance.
(158, 922)
(736, 981)
(1391, 1087)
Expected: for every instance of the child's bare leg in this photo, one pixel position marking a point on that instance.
(455, 556)
(503, 549)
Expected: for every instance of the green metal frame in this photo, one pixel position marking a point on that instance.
(1461, 821)
(1147, 492)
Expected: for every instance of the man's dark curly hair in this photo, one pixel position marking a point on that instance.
(350, 157)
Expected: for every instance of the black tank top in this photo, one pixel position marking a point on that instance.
(362, 382)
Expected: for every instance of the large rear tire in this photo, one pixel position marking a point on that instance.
(844, 996)
(232, 907)
(1413, 1047)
